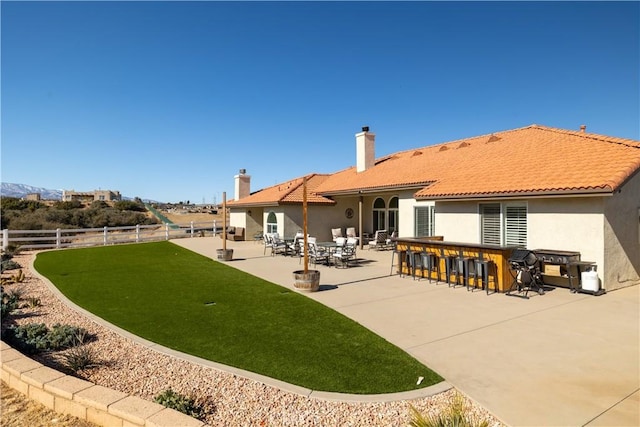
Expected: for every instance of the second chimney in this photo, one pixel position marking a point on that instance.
(583, 128)
(242, 184)
(365, 150)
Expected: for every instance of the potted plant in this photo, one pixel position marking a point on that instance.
(306, 280)
(224, 254)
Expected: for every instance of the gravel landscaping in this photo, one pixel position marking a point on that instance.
(228, 400)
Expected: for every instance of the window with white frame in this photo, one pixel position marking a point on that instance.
(393, 215)
(272, 223)
(424, 221)
(379, 211)
(503, 224)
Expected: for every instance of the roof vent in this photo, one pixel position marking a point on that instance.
(416, 153)
(583, 128)
(493, 138)
(443, 148)
(463, 144)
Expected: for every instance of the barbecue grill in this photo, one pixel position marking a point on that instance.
(525, 270)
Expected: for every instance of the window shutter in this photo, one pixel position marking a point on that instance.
(490, 217)
(424, 220)
(516, 226)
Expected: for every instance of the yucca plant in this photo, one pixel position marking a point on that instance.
(455, 415)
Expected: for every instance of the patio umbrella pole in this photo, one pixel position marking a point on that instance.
(304, 224)
(224, 221)
(307, 280)
(224, 254)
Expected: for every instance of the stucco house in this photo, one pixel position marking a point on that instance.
(535, 187)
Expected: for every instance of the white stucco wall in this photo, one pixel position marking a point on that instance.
(570, 224)
(622, 236)
(458, 221)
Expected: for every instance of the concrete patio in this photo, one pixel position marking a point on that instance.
(555, 359)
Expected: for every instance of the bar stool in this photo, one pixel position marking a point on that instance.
(413, 262)
(430, 262)
(465, 263)
(451, 266)
(481, 273)
(401, 254)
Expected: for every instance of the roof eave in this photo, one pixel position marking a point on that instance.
(379, 189)
(520, 195)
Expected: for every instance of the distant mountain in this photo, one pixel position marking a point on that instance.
(20, 190)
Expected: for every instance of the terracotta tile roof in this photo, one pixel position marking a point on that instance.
(533, 160)
(286, 193)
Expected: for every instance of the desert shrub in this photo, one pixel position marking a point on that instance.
(36, 337)
(129, 205)
(65, 336)
(68, 205)
(99, 204)
(9, 264)
(180, 403)
(14, 203)
(10, 301)
(456, 414)
(32, 302)
(79, 358)
(31, 337)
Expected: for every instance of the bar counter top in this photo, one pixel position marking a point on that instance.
(437, 241)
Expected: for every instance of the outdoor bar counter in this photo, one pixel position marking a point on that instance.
(500, 278)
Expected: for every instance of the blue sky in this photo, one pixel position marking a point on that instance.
(168, 100)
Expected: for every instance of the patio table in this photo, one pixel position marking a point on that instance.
(329, 247)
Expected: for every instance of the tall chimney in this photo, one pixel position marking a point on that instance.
(583, 128)
(365, 149)
(242, 184)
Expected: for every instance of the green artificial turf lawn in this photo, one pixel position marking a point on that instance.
(185, 301)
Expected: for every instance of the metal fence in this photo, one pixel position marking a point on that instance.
(84, 237)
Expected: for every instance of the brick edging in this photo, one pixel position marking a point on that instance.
(66, 394)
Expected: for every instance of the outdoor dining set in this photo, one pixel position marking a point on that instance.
(340, 252)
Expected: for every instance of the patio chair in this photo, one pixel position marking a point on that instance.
(279, 246)
(344, 254)
(268, 242)
(294, 247)
(351, 232)
(318, 254)
(379, 241)
(336, 233)
(301, 248)
(340, 241)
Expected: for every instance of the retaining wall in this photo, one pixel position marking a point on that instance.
(82, 399)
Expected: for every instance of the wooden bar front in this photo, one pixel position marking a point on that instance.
(500, 277)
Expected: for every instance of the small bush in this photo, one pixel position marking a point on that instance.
(33, 302)
(65, 336)
(31, 338)
(180, 403)
(79, 358)
(9, 264)
(36, 337)
(10, 301)
(455, 415)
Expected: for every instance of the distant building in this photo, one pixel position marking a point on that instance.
(91, 196)
(33, 196)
